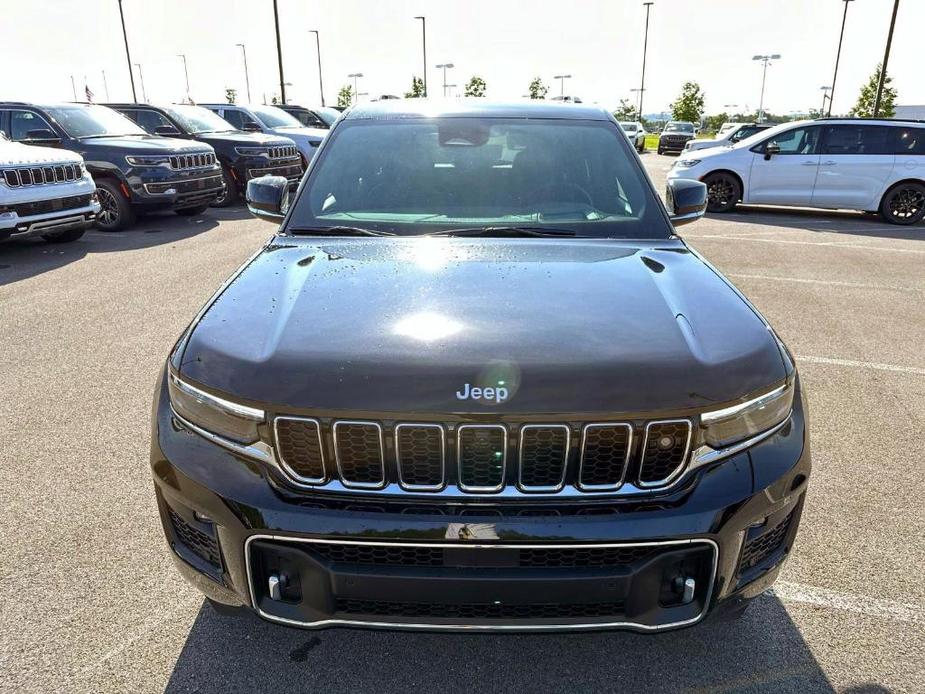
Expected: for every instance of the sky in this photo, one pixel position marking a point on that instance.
(506, 42)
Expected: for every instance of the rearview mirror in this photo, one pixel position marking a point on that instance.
(686, 201)
(268, 197)
(770, 149)
(42, 136)
(251, 127)
(166, 131)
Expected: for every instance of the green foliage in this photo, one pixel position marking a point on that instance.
(626, 111)
(345, 96)
(231, 95)
(714, 123)
(417, 88)
(864, 108)
(274, 100)
(476, 87)
(689, 104)
(538, 89)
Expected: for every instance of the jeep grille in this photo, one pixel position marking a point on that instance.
(198, 160)
(42, 175)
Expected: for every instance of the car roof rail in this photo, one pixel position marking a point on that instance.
(870, 118)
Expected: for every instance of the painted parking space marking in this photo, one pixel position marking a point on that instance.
(846, 602)
(806, 359)
(837, 244)
(833, 283)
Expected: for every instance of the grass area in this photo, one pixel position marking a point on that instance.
(652, 139)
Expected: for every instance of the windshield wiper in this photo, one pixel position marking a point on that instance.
(336, 231)
(503, 232)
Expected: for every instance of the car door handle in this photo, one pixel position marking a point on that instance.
(809, 163)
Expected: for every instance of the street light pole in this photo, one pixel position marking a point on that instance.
(764, 73)
(279, 53)
(318, 47)
(645, 45)
(247, 79)
(141, 77)
(105, 86)
(886, 59)
(424, 46)
(838, 55)
(185, 74)
(826, 94)
(356, 88)
(445, 66)
(128, 56)
(562, 79)
(74, 87)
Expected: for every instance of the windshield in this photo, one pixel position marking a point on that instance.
(420, 176)
(680, 127)
(80, 121)
(628, 127)
(273, 117)
(767, 134)
(328, 115)
(196, 119)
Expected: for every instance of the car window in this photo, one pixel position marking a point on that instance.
(83, 121)
(680, 127)
(796, 141)
(309, 119)
(149, 120)
(745, 131)
(857, 139)
(909, 140)
(273, 117)
(21, 122)
(237, 118)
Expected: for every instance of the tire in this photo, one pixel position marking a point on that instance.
(116, 212)
(642, 148)
(192, 211)
(64, 236)
(723, 192)
(904, 204)
(660, 150)
(231, 196)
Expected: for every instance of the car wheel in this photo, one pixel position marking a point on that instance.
(64, 236)
(230, 196)
(115, 211)
(191, 211)
(723, 192)
(904, 204)
(660, 150)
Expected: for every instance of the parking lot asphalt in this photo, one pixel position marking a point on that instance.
(92, 603)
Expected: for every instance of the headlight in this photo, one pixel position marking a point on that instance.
(148, 160)
(686, 163)
(252, 151)
(722, 428)
(216, 415)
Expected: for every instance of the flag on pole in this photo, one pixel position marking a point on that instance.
(88, 93)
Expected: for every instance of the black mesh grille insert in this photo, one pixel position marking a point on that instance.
(583, 556)
(543, 455)
(375, 555)
(665, 450)
(420, 455)
(199, 543)
(482, 453)
(604, 455)
(762, 547)
(478, 610)
(359, 453)
(299, 442)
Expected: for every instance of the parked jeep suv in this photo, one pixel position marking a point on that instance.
(272, 121)
(133, 171)
(44, 193)
(477, 381)
(675, 136)
(321, 117)
(242, 155)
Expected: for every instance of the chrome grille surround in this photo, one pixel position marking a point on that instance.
(339, 454)
(483, 489)
(195, 160)
(42, 174)
(676, 472)
(584, 448)
(412, 486)
(290, 469)
(524, 430)
(283, 152)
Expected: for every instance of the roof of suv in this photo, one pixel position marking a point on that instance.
(391, 109)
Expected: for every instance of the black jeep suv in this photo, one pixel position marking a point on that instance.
(134, 172)
(243, 155)
(476, 381)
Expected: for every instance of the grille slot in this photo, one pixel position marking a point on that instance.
(481, 453)
(360, 454)
(283, 152)
(420, 451)
(478, 610)
(198, 160)
(199, 543)
(664, 451)
(42, 175)
(300, 448)
(605, 453)
(762, 547)
(543, 456)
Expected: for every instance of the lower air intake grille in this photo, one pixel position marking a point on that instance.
(300, 449)
(477, 610)
(605, 453)
(664, 451)
(543, 456)
(762, 547)
(419, 450)
(481, 454)
(385, 555)
(360, 455)
(199, 543)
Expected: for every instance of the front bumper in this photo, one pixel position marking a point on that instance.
(44, 217)
(673, 144)
(156, 188)
(601, 564)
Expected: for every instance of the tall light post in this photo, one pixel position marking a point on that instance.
(424, 47)
(638, 93)
(128, 56)
(74, 87)
(279, 53)
(826, 94)
(838, 55)
(764, 73)
(185, 74)
(356, 88)
(445, 66)
(318, 47)
(247, 79)
(141, 77)
(106, 86)
(645, 45)
(886, 59)
(562, 79)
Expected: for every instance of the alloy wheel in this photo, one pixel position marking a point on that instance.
(109, 208)
(907, 203)
(721, 191)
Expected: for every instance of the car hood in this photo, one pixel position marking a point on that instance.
(403, 324)
(141, 144)
(14, 153)
(243, 139)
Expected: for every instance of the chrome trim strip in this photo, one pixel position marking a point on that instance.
(482, 627)
(707, 454)
(626, 463)
(340, 470)
(232, 408)
(285, 467)
(520, 458)
(421, 487)
(258, 451)
(684, 459)
(480, 490)
(733, 411)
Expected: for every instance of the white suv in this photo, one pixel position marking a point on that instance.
(44, 192)
(838, 163)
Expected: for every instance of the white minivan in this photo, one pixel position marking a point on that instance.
(832, 163)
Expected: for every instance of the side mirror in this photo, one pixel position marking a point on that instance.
(268, 197)
(252, 127)
(166, 131)
(686, 201)
(770, 149)
(42, 136)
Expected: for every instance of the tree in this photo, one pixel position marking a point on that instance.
(864, 108)
(274, 99)
(417, 88)
(231, 95)
(689, 104)
(714, 123)
(626, 111)
(476, 87)
(345, 96)
(538, 89)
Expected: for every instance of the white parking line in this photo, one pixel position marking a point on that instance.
(839, 244)
(834, 283)
(859, 604)
(861, 364)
